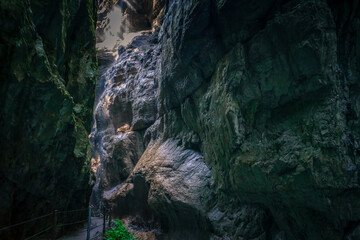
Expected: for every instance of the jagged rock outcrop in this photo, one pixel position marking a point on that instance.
(48, 74)
(255, 134)
(126, 106)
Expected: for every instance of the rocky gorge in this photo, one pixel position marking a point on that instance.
(211, 119)
(231, 119)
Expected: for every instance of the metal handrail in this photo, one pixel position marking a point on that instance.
(102, 214)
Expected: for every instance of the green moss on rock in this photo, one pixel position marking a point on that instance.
(47, 93)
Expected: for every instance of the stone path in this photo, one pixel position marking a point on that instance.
(95, 233)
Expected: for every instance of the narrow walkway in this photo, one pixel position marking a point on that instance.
(95, 231)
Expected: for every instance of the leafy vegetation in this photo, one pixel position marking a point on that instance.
(118, 232)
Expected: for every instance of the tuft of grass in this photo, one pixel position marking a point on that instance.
(118, 232)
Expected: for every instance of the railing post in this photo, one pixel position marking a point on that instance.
(89, 224)
(104, 219)
(53, 237)
(109, 217)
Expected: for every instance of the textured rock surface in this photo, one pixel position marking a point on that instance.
(120, 19)
(48, 68)
(126, 103)
(255, 133)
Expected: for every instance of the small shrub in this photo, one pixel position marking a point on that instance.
(118, 232)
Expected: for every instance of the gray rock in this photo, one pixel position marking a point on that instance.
(248, 112)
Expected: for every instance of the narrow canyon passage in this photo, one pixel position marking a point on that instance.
(188, 119)
(125, 106)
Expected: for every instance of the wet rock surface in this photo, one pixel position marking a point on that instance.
(237, 120)
(48, 69)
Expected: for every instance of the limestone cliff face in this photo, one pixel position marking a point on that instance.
(48, 68)
(241, 121)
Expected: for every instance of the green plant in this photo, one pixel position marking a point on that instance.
(118, 232)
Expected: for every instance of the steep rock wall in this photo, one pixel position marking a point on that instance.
(256, 129)
(48, 68)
